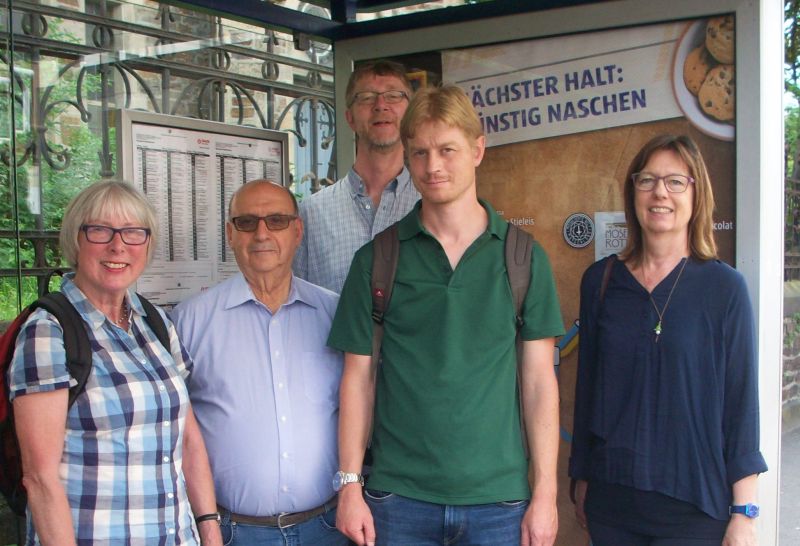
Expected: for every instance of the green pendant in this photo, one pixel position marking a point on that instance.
(657, 329)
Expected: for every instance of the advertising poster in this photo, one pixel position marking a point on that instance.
(563, 119)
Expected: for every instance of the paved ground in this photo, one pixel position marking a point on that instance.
(789, 532)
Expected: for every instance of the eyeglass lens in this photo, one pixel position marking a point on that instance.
(104, 234)
(274, 222)
(370, 97)
(675, 183)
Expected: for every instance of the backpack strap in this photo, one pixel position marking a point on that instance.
(519, 257)
(385, 255)
(153, 319)
(76, 341)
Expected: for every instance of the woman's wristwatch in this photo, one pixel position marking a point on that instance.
(749, 510)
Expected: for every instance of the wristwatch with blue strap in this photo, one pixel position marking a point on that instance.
(749, 510)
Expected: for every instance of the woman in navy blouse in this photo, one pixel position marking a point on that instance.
(125, 464)
(666, 440)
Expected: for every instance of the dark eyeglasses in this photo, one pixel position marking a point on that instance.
(371, 97)
(675, 183)
(101, 235)
(274, 222)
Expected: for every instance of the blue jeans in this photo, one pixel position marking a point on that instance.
(400, 521)
(318, 531)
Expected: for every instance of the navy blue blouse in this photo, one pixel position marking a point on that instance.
(677, 415)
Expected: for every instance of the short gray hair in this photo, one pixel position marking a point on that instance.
(115, 198)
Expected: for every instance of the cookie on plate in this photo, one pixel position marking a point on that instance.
(717, 95)
(720, 38)
(696, 67)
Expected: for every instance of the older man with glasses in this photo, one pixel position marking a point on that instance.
(375, 193)
(265, 388)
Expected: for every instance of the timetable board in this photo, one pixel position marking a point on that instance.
(188, 169)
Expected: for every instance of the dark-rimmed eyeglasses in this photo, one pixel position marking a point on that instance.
(371, 97)
(101, 235)
(274, 222)
(675, 183)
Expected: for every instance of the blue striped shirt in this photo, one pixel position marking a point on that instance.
(342, 218)
(121, 464)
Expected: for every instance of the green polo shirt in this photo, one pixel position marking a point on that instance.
(447, 419)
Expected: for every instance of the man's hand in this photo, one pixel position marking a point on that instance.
(540, 524)
(353, 517)
(741, 531)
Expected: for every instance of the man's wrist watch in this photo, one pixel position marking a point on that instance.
(342, 478)
(749, 510)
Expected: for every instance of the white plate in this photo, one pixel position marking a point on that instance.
(693, 36)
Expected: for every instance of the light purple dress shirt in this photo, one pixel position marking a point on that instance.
(265, 389)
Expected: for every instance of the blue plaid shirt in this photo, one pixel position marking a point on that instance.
(340, 219)
(121, 464)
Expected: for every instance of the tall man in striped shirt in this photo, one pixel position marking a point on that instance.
(375, 193)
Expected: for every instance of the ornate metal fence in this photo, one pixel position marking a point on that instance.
(67, 65)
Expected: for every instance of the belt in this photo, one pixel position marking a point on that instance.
(281, 520)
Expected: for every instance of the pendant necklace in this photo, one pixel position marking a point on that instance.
(660, 314)
(126, 314)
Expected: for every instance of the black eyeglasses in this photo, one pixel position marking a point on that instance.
(675, 183)
(101, 235)
(371, 97)
(274, 222)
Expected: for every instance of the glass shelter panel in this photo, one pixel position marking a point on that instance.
(66, 66)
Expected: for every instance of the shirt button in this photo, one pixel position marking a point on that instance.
(277, 353)
(280, 385)
(143, 361)
(170, 495)
(162, 388)
(165, 459)
(171, 531)
(283, 418)
(285, 488)
(285, 455)
(166, 423)
(367, 206)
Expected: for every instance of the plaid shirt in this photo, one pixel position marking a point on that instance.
(121, 464)
(340, 219)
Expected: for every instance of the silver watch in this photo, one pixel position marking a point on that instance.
(342, 478)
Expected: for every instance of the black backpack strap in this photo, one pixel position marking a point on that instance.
(385, 254)
(519, 257)
(519, 248)
(153, 319)
(76, 340)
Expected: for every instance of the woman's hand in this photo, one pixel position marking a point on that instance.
(741, 531)
(580, 498)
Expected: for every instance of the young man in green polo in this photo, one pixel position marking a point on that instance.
(449, 465)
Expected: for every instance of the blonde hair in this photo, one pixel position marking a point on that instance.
(701, 224)
(447, 104)
(118, 199)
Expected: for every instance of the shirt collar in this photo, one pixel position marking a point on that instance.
(241, 293)
(411, 224)
(88, 311)
(356, 184)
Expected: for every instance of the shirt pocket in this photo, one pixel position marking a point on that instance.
(322, 372)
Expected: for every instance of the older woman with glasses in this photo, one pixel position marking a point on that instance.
(125, 463)
(666, 436)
